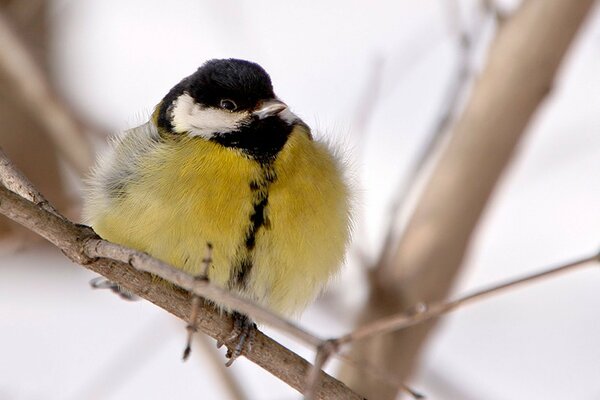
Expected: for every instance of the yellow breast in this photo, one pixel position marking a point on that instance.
(289, 219)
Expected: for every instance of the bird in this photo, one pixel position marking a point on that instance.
(222, 161)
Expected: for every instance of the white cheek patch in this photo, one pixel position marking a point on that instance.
(189, 117)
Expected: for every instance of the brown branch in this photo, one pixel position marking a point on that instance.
(424, 312)
(73, 240)
(519, 74)
(32, 85)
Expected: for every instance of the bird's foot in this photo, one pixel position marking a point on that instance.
(243, 333)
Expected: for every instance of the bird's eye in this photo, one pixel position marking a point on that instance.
(228, 105)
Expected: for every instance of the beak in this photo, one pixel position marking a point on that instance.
(269, 108)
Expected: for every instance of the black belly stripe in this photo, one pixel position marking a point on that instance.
(258, 220)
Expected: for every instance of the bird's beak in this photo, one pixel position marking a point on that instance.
(269, 108)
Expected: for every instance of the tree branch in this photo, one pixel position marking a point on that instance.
(423, 312)
(75, 240)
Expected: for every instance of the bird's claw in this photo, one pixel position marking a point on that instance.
(243, 332)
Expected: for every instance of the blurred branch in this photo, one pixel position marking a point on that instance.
(519, 74)
(31, 84)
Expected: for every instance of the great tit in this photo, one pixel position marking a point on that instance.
(223, 161)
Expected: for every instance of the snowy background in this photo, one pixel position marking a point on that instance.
(115, 60)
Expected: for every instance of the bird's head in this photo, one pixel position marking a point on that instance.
(230, 102)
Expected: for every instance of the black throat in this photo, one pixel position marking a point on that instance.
(261, 140)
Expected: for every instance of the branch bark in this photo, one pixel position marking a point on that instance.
(520, 71)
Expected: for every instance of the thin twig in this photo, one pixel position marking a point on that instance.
(423, 312)
(32, 84)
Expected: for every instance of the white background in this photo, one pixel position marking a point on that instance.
(115, 60)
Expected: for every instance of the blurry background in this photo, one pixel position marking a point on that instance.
(373, 78)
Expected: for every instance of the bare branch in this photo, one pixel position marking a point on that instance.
(73, 240)
(423, 312)
(31, 83)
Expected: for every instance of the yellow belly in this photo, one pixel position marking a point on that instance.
(192, 192)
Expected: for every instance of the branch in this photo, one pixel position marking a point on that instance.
(82, 246)
(74, 240)
(422, 312)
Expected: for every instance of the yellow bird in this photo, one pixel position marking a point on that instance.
(224, 161)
